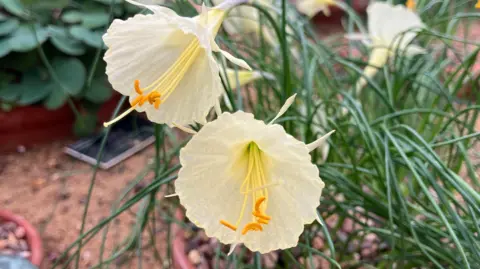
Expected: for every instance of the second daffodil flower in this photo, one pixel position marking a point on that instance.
(245, 181)
(312, 7)
(164, 63)
(391, 29)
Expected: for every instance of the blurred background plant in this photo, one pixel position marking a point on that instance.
(400, 170)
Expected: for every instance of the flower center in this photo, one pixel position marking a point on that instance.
(158, 91)
(254, 184)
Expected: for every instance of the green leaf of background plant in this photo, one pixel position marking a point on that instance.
(71, 73)
(32, 88)
(56, 99)
(14, 7)
(4, 47)
(95, 19)
(3, 17)
(64, 42)
(23, 39)
(91, 38)
(42, 4)
(85, 124)
(108, 2)
(8, 26)
(99, 92)
(72, 16)
(9, 94)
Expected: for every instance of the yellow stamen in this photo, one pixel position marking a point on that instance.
(410, 5)
(258, 203)
(136, 100)
(260, 215)
(161, 88)
(136, 85)
(228, 224)
(252, 226)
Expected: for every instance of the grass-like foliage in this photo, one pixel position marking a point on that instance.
(401, 163)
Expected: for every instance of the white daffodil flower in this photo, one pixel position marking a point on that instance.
(164, 63)
(390, 28)
(245, 181)
(312, 7)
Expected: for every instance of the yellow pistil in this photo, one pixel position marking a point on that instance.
(159, 90)
(252, 226)
(410, 5)
(228, 224)
(255, 184)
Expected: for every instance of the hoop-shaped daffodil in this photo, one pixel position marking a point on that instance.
(391, 29)
(245, 181)
(164, 63)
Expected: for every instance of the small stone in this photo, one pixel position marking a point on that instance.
(52, 163)
(7, 252)
(86, 256)
(24, 254)
(342, 236)
(12, 240)
(194, 257)
(9, 226)
(203, 236)
(64, 195)
(3, 244)
(371, 237)
(318, 243)
(55, 177)
(22, 245)
(206, 250)
(348, 225)
(38, 183)
(20, 232)
(21, 149)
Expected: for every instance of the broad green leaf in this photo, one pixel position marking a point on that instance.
(48, 5)
(108, 2)
(99, 92)
(72, 16)
(33, 88)
(56, 99)
(4, 47)
(8, 26)
(91, 38)
(9, 93)
(85, 124)
(3, 17)
(71, 73)
(95, 19)
(23, 39)
(62, 40)
(14, 7)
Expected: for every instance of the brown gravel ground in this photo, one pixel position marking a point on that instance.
(49, 189)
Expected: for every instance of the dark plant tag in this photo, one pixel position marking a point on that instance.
(126, 138)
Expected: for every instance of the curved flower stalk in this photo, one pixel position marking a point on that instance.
(318, 119)
(312, 7)
(164, 63)
(390, 28)
(245, 181)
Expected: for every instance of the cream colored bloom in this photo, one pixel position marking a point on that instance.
(164, 63)
(312, 7)
(391, 28)
(245, 181)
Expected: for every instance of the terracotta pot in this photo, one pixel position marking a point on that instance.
(33, 237)
(179, 256)
(35, 124)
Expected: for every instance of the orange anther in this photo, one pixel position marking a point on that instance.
(153, 96)
(262, 221)
(252, 226)
(144, 98)
(410, 4)
(260, 215)
(136, 84)
(157, 103)
(228, 224)
(259, 202)
(136, 100)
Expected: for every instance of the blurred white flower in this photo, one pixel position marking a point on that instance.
(245, 181)
(391, 28)
(164, 63)
(312, 7)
